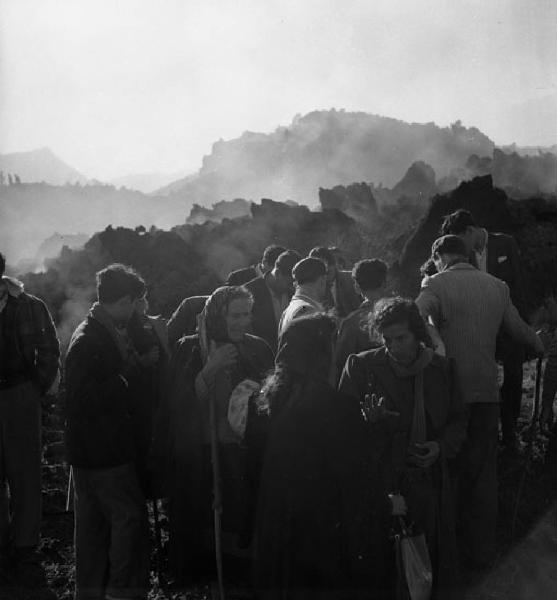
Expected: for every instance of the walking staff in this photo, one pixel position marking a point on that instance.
(215, 462)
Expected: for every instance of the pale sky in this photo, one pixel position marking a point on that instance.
(129, 86)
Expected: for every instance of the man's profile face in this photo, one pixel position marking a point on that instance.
(470, 238)
(322, 286)
(285, 283)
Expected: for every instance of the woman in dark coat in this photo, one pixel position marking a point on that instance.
(208, 367)
(313, 473)
(416, 425)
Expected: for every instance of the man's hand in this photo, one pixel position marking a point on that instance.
(219, 359)
(546, 417)
(426, 455)
(399, 508)
(374, 409)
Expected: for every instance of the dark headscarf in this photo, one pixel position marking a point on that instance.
(216, 308)
(305, 345)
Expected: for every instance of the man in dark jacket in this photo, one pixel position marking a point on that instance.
(497, 254)
(354, 334)
(29, 360)
(341, 294)
(111, 527)
(241, 276)
(184, 319)
(271, 295)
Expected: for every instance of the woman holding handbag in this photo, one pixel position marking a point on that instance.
(415, 426)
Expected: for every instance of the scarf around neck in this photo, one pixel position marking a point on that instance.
(416, 369)
(100, 315)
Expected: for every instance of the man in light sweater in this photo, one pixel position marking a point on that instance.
(310, 281)
(468, 306)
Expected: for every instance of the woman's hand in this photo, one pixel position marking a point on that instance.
(398, 503)
(374, 409)
(220, 358)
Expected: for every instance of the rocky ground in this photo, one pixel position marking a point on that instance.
(527, 535)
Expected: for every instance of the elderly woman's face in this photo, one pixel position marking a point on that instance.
(400, 342)
(238, 319)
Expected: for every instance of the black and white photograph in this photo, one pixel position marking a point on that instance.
(278, 300)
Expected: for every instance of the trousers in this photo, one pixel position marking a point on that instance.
(111, 534)
(478, 483)
(511, 392)
(20, 465)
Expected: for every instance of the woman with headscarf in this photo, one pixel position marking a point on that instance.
(313, 473)
(415, 425)
(219, 365)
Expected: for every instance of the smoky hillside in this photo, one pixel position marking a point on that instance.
(403, 164)
(30, 213)
(193, 259)
(323, 149)
(531, 221)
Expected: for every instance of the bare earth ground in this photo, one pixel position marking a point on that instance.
(525, 568)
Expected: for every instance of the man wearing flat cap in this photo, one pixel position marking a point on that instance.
(468, 306)
(310, 281)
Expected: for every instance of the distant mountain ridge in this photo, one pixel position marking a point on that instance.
(146, 182)
(40, 165)
(324, 149)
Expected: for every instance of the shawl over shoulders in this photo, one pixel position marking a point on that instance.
(178, 429)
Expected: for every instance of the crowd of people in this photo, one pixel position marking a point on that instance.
(292, 421)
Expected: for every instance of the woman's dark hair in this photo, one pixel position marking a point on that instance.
(392, 311)
(370, 273)
(118, 281)
(2, 264)
(305, 352)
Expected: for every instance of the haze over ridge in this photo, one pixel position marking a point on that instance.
(152, 88)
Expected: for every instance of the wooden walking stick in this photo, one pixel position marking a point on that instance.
(69, 490)
(531, 435)
(537, 393)
(158, 541)
(215, 463)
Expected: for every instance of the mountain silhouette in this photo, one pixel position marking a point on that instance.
(325, 149)
(40, 165)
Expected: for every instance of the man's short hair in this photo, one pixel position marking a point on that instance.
(118, 281)
(324, 254)
(271, 253)
(370, 274)
(449, 244)
(309, 270)
(286, 261)
(457, 222)
(2, 264)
